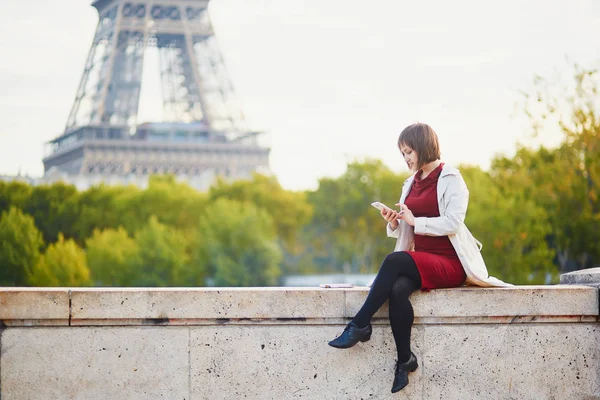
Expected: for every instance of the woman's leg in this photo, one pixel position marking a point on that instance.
(401, 319)
(359, 329)
(395, 264)
(402, 315)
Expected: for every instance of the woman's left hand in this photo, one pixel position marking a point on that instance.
(406, 214)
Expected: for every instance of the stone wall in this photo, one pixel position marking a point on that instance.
(526, 342)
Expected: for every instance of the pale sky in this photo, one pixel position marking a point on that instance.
(330, 80)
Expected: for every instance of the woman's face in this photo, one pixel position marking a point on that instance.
(410, 156)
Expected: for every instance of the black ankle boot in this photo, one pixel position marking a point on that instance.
(402, 370)
(352, 335)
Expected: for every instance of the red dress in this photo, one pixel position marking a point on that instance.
(434, 256)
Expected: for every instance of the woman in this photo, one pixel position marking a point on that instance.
(434, 248)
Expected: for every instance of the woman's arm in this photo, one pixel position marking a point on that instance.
(391, 216)
(391, 232)
(393, 227)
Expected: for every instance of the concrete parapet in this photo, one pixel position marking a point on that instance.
(276, 305)
(524, 342)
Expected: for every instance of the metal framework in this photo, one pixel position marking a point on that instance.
(196, 90)
(195, 83)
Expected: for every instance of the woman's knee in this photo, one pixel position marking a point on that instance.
(397, 258)
(402, 264)
(402, 288)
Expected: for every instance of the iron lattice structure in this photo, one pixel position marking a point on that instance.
(203, 128)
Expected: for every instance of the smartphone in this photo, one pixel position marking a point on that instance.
(381, 206)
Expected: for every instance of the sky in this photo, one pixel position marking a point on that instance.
(330, 81)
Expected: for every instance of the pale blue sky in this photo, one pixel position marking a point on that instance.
(330, 80)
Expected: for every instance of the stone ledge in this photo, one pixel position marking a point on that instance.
(288, 306)
(589, 276)
(206, 303)
(34, 306)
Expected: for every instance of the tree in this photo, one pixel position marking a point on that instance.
(237, 245)
(513, 231)
(564, 181)
(289, 210)
(14, 194)
(99, 209)
(63, 264)
(345, 225)
(55, 209)
(111, 257)
(20, 243)
(162, 256)
(174, 204)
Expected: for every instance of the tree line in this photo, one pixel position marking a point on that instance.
(536, 213)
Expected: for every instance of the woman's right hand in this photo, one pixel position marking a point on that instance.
(391, 217)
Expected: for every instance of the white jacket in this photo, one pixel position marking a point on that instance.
(453, 199)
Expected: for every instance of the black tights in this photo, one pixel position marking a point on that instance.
(397, 278)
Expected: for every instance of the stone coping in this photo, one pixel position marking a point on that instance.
(287, 305)
(589, 276)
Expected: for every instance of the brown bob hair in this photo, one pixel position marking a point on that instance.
(422, 139)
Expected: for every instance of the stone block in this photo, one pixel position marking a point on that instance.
(279, 362)
(519, 361)
(34, 306)
(95, 363)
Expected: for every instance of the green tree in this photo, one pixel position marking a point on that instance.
(345, 225)
(63, 264)
(172, 203)
(55, 209)
(512, 229)
(111, 257)
(162, 256)
(237, 245)
(99, 209)
(13, 194)
(564, 181)
(20, 243)
(289, 210)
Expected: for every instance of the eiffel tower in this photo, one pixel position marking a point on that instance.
(202, 133)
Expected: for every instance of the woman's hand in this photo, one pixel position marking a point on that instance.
(405, 214)
(391, 216)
